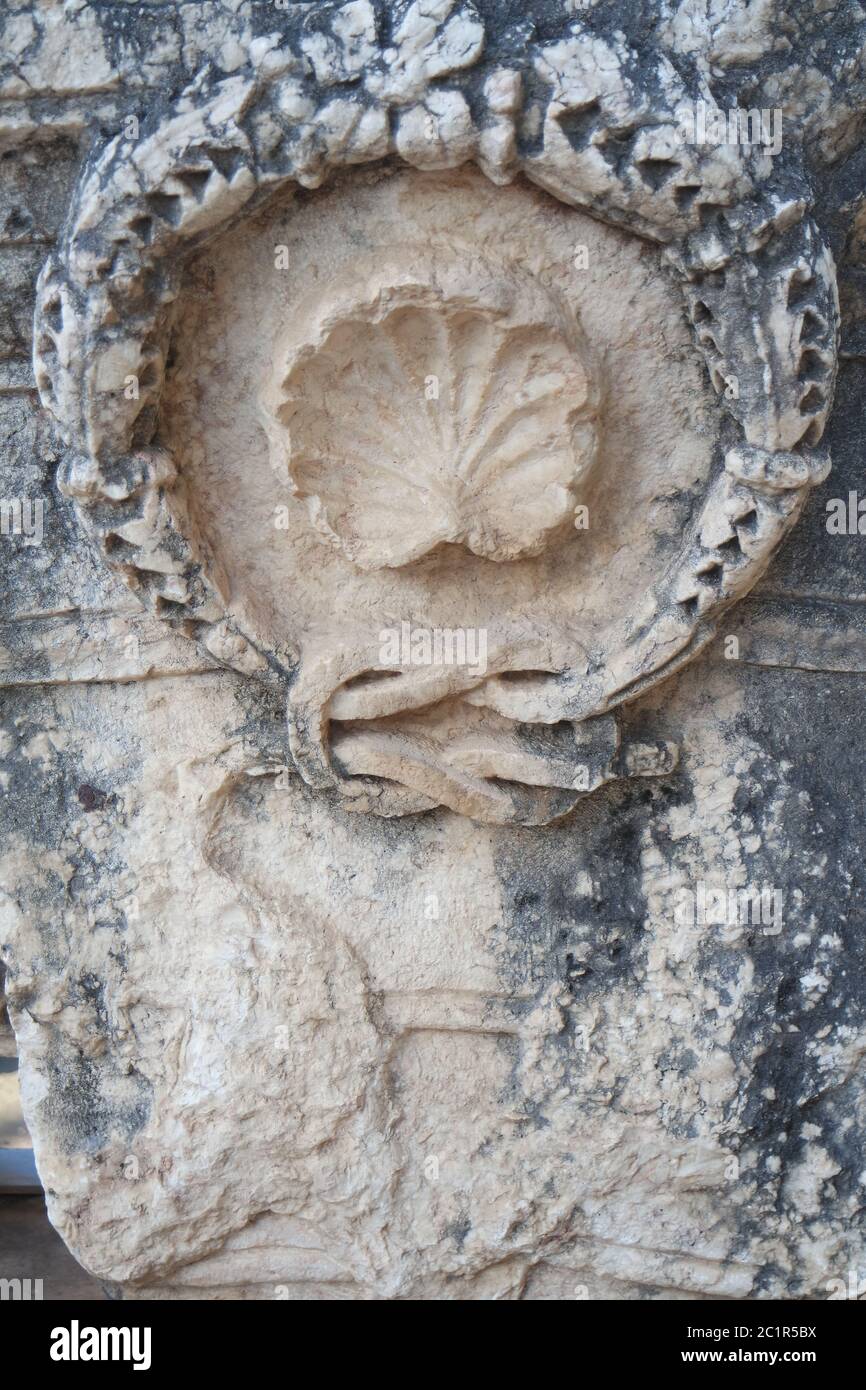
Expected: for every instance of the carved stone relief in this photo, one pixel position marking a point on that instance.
(427, 403)
(518, 376)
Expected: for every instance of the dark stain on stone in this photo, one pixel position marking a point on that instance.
(78, 1107)
(458, 1230)
(91, 798)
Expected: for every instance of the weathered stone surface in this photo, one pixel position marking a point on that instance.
(431, 790)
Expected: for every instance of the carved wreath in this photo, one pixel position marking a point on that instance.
(585, 118)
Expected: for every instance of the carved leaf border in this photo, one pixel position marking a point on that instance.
(759, 285)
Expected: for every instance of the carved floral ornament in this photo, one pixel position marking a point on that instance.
(496, 467)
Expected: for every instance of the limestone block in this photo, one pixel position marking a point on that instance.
(432, 657)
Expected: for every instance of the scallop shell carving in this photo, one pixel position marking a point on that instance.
(431, 401)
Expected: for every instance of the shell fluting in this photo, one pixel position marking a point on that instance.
(411, 409)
